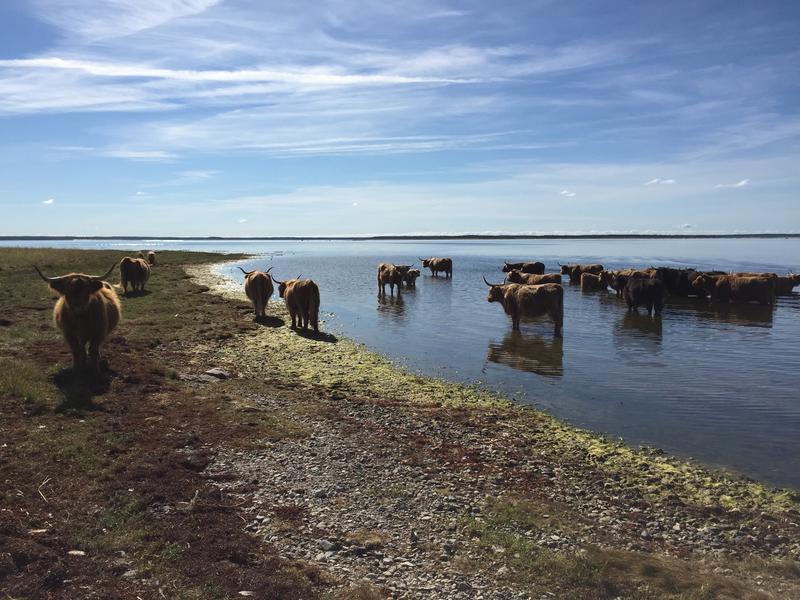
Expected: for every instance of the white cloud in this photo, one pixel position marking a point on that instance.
(567, 193)
(738, 184)
(141, 193)
(242, 220)
(48, 201)
(315, 76)
(660, 181)
(355, 203)
(687, 226)
(114, 18)
(146, 155)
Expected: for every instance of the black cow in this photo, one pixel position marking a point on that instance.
(644, 292)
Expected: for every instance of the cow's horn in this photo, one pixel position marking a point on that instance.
(278, 281)
(486, 282)
(559, 264)
(47, 279)
(298, 277)
(420, 258)
(243, 271)
(103, 277)
(268, 270)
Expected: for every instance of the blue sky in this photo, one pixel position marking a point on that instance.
(336, 117)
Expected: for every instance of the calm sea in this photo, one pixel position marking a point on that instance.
(718, 383)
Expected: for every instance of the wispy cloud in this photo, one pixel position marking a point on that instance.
(567, 193)
(660, 181)
(738, 184)
(48, 201)
(145, 155)
(314, 76)
(114, 18)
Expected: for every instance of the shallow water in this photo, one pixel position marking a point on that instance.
(718, 383)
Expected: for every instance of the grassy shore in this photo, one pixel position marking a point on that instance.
(151, 471)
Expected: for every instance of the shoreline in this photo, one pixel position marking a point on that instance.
(426, 389)
(216, 455)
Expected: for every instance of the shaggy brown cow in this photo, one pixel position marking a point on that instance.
(410, 278)
(391, 274)
(86, 312)
(151, 258)
(134, 272)
(532, 279)
(302, 301)
(445, 265)
(575, 271)
(258, 287)
(595, 283)
(534, 268)
(618, 279)
(731, 288)
(519, 300)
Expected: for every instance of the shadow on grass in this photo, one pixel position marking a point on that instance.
(318, 336)
(269, 321)
(79, 388)
(137, 293)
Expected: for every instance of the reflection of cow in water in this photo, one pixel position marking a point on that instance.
(530, 353)
(636, 335)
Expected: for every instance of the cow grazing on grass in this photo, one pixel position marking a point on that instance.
(302, 301)
(86, 312)
(393, 275)
(644, 292)
(134, 272)
(575, 271)
(151, 258)
(410, 278)
(534, 268)
(438, 265)
(520, 300)
(595, 283)
(733, 288)
(532, 279)
(258, 287)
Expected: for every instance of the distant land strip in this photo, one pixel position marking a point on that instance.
(477, 236)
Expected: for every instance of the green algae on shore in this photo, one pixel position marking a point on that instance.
(346, 367)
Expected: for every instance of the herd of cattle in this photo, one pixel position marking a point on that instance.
(88, 308)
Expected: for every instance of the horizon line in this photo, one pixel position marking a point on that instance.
(466, 236)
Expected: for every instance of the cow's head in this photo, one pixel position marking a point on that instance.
(283, 285)
(495, 291)
(403, 269)
(76, 288)
(566, 269)
(426, 262)
(703, 283)
(508, 267)
(514, 276)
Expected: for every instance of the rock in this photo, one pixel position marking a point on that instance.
(218, 373)
(76, 553)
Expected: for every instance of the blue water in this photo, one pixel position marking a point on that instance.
(716, 383)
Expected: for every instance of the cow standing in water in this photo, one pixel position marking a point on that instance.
(392, 275)
(534, 268)
(520, 300)
(532, 279)
(437, 265)
(644, 292)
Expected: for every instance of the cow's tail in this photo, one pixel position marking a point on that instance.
(313, 308)
(561, 308)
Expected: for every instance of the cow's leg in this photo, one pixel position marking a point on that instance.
(78, 352)
(515, 323)
(94, 356)
(391, 289)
